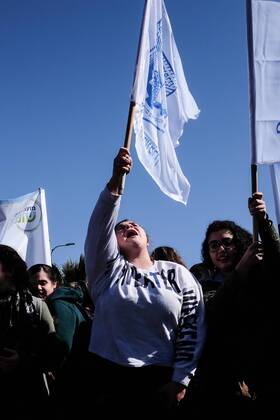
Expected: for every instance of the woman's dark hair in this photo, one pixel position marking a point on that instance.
(166, 253)
(241, 237)
(14, 266)
(120, 222)
(52, 272)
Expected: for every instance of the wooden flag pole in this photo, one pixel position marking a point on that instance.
(132, 106)
(254, 180)
(127, 140)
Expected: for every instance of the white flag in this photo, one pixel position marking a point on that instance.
(24, 227)
(163, 102)
(264, 61)
(275, 178)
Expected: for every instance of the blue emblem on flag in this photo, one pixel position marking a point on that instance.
(169, 76)
(152, 149)
(278, 128)
(161, 83)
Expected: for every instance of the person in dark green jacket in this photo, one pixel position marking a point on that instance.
(65, 304)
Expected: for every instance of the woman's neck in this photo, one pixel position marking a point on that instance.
(141, 260)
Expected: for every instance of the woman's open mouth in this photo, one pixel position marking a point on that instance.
(131, 232)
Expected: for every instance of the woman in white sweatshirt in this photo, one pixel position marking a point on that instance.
(148, 327)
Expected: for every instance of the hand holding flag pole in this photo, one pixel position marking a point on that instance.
(254, 181)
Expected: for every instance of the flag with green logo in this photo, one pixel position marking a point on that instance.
(24, 227)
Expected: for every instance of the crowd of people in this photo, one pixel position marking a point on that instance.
(134, 332)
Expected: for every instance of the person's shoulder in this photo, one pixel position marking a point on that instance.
(169, 264)
(36, 300)
(201, 272)
(38, 304)
(176, 267)
(65, 304)
(61, 304)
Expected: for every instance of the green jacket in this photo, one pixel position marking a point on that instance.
(68, 319)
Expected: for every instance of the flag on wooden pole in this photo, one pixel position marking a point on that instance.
(163, 102)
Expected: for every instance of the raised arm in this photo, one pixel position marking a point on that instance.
(101, 244)
(269, 236)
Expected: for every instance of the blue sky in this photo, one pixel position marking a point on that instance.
(65, 80)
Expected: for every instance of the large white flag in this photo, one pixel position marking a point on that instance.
(24, 227)
(264, 61)
(163, 102)
(275, 178)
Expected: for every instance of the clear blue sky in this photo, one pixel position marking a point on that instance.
(65, 79)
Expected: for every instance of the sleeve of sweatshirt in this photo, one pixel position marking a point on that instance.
(47, 319)
(101, 246)
(190, 335)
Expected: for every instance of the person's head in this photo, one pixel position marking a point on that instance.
(166, 253)
(224, 244)
(44, 280)
(131, 237)
(13, 270)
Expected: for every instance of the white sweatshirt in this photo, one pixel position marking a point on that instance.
(142, 317)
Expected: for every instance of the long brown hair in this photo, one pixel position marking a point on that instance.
(166, 253)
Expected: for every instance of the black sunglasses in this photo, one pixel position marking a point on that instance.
(225, 242)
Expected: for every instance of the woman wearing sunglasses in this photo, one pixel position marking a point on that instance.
(238, 373)
(227, 247)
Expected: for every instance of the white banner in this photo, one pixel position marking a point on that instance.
(264, 54)
(24, 227)
(275, 178)
(163, 102)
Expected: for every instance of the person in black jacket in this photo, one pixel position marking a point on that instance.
(239, 368)
(28, 343)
